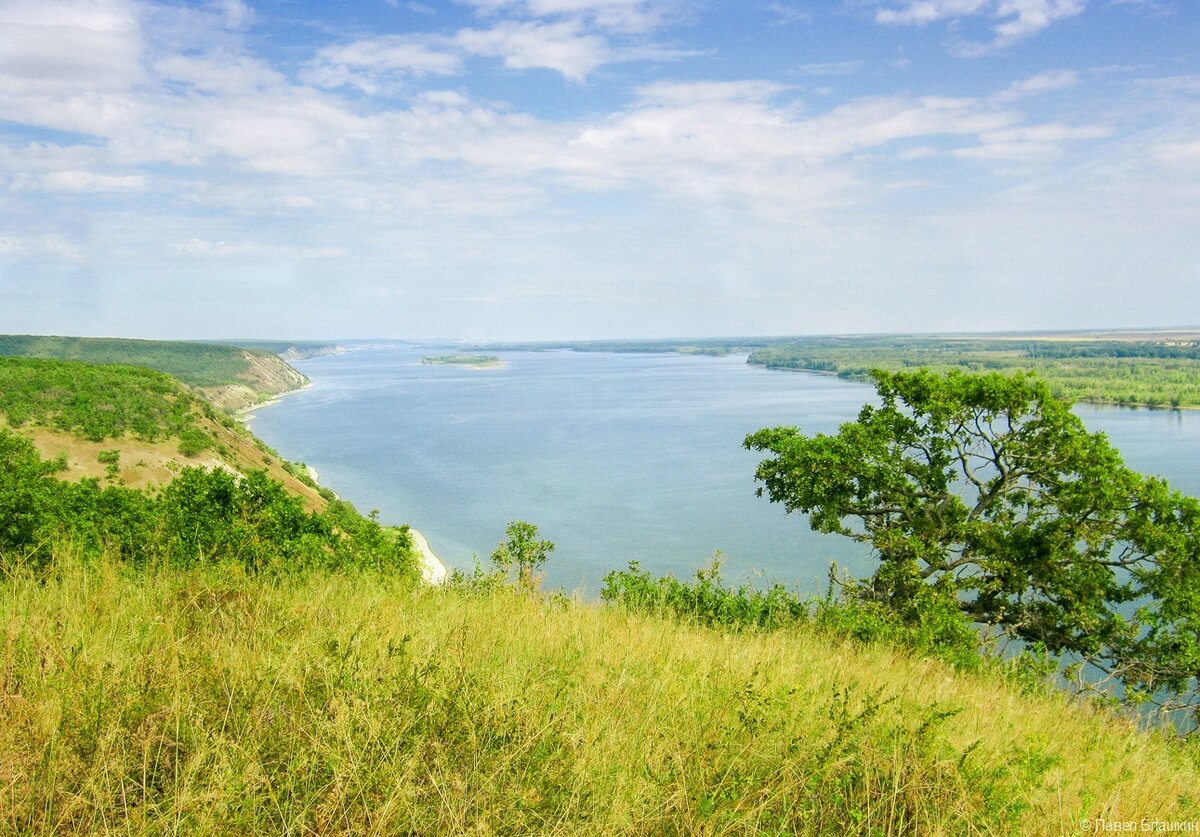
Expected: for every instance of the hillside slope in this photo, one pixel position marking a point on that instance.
(350, 704)
(131, 426)
(231, 377)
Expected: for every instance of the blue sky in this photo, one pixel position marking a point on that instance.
(525, 169)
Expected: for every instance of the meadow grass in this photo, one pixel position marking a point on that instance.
(207, 701)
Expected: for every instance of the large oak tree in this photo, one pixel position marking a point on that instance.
(991, 491)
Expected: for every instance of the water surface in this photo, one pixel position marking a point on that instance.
(616, 457)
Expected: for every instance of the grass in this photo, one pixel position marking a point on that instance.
(212, 702)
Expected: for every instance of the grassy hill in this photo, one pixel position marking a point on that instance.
(131, 425)
(231, 377)
(228, 652)
(213, 702)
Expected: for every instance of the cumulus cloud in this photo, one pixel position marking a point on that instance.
(563, 47)
(1021, 18)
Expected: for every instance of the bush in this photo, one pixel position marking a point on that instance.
(935, 627)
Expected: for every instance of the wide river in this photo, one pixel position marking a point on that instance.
(616, 457)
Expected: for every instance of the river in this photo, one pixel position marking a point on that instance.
(616, 457)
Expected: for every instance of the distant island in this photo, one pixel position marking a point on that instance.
(473, 361)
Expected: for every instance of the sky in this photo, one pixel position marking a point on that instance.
(576, 169)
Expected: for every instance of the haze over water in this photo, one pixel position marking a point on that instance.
(616, 457)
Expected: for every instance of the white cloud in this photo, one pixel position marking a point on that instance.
(1031, 143)
(69, 64)
(365, 63)
(1015, 20)
(93, 44)
(86, 181)
(728, 144)
(563, 47)
(1040, 83)
(921, 12)
(218, 72)
(1030, 16)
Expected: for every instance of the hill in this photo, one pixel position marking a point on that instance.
(215, 702)
(230, 377)
(131, 426)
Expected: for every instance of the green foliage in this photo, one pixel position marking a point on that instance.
(300, 471)
(991, 490)
(27, 493)
(522, 555)
(200, 517)
(194, 441)
(943, 633)
(95, 402)
(706, 600)
(196, 364)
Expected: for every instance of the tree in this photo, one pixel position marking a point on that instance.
(988, 490)
(523, 553)
(28, 494)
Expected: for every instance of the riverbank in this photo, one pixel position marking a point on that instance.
(433, 569)
(246, 413)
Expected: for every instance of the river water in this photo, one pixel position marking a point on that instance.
(616, 457)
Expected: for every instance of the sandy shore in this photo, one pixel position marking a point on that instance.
(432, 568)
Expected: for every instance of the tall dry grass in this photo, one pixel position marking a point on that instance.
(209, 702)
